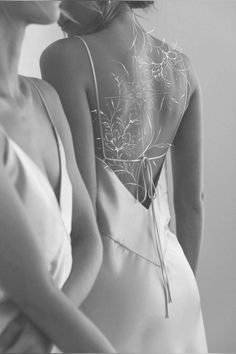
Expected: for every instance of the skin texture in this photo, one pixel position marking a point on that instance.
(187, 161)
(66, 61)
(24, 119)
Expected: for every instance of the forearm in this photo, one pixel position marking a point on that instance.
(87, 258)
(67, 327)
(189, 229)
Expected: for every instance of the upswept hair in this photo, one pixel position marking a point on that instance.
(106, 11)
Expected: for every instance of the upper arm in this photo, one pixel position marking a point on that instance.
(64, 66)
(23, 273)
(187, 150)
(84, 226)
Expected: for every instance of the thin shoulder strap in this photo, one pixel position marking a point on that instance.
(57, 136)
(94, 75)
(65, 197)
(43, 100)
(58, 139)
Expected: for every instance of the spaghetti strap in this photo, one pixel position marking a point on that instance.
(144, 164)
(94, 75)
(141, 96)
(65, 185)
(58, 140)
(43, 100)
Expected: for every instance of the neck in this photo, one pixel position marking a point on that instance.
(11, 37)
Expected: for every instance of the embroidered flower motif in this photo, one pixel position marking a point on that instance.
(138, 96)
(127, 130)
(118, 139)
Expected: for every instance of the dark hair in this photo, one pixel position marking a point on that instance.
(106, 11)
(139, 4)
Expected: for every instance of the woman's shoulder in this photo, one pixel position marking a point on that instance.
(175, 53)
(53, 105)
(179, 61)
(50, 99)
(63, 52)
(46, 91)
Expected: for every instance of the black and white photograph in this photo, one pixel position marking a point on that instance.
(117, 176)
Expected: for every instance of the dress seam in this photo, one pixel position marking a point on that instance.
(131, 251)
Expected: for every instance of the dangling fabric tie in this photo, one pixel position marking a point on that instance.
(148, 184)
(150, 191)
(145, 171)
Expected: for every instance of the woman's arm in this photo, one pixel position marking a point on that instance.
(187, 168)
(66, 67)
(25, 278)
(86, 241)
(22, 336)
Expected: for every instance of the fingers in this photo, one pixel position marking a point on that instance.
(11, 333)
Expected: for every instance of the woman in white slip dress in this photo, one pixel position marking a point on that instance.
(144, 100)
(36, 203)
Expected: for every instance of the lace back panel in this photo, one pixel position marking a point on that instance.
(135, 125)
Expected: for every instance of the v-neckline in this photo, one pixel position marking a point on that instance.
(43, 175)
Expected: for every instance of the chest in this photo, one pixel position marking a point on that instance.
(37, 138)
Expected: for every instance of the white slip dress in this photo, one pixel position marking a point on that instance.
(50, 220)
(145, 299)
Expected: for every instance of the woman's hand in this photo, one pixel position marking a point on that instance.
(21, 336)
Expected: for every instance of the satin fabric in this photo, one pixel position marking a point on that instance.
(127, 302)
(50, 221)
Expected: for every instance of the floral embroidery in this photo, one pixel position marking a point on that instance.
(127, 126)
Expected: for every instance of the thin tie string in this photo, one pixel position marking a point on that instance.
(150, 191)
(144, 165)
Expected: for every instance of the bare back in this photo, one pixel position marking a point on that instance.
(141, 98)
(137, 90)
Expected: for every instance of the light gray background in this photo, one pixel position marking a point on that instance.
(206, 31)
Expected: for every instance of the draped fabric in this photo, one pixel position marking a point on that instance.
(145, 298)
(50, 221)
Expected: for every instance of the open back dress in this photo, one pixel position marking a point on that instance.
(145, 299)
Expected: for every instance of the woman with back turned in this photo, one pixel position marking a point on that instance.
(129, 99)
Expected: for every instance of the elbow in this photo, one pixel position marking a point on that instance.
(197, 204)
(190, 204)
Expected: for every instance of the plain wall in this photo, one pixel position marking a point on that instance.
(206, 31)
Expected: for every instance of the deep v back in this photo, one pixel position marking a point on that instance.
(145, 298)
(135, 126)
(131, 141)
